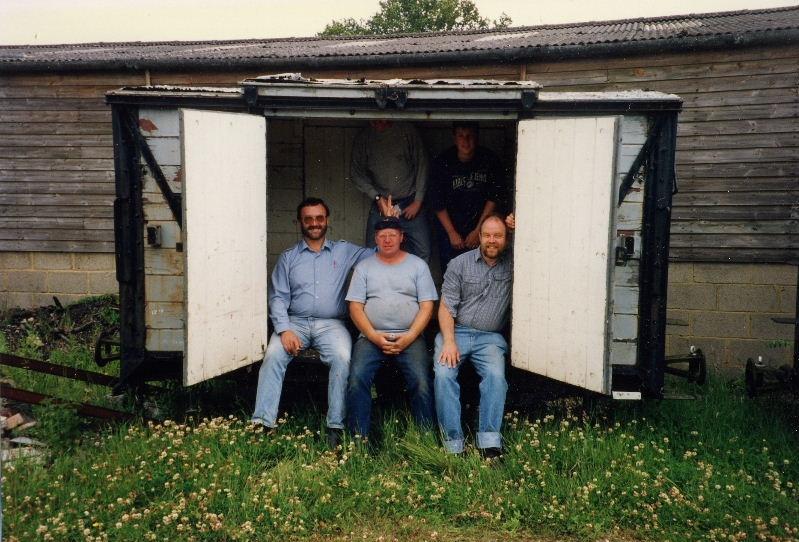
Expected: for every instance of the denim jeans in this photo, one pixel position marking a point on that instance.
(417, 232)
(332, 340)
(486, 350)
(415, 367)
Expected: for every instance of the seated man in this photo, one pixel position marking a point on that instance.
(306, 304)
(467, 185)
(391, 301)
(474, 305)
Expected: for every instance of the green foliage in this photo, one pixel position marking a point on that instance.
(720, 467)
(57, 424)
(411, 16)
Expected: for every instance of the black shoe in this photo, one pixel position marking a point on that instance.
(491, 453)
(334, 438)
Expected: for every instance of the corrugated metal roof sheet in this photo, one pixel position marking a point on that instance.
(663, 33)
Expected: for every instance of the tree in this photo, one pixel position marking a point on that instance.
(411, 16)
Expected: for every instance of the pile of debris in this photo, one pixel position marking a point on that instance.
(13, 444)
(43, 329)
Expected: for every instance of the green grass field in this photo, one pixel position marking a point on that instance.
(718, 467)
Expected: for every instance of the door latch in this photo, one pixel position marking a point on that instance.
(625, 250)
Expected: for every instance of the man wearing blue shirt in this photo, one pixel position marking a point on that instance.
(475, 302)
(307, 308)
(391, 301)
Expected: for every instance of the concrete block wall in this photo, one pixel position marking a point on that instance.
(726, 310)
(31, 279)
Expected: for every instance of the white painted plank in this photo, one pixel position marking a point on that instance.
(624, 353)
(224, 160)
(159, 122)
(163, 315)
(162, 261)
(564, 201)
(625, 299)
(164, 340)
(166, 150)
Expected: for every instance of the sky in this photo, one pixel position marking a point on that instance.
(36, 22)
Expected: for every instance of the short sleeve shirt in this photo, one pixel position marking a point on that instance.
(391, 293)
(462, 188)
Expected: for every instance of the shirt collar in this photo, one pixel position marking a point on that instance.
(328, 244)
(478, 256)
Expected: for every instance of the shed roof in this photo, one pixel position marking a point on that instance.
(628, 36)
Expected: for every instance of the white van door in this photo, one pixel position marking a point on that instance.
(562, 248)
(224, 241)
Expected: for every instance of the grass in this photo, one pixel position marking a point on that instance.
(717, 468)
(720, 467)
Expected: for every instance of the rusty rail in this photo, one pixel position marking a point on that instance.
(55, 369)
(84, 409)
(44, 367)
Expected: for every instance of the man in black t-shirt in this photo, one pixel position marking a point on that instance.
(467, 185)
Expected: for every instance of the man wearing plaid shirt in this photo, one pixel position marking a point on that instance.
(475, 298)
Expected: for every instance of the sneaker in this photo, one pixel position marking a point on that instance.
(334, 438)
(491, 453)
(267, 431)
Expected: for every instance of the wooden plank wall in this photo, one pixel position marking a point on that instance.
(738, 144)
(56, 161)
(738, 156)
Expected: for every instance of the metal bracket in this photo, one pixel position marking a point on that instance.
(529, 98)
(173, 200)
(625, 250)
(385, 96)
(643, 154)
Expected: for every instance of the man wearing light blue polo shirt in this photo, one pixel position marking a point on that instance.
(307, 308)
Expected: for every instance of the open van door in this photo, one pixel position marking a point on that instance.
(224, 241)
(564, 212)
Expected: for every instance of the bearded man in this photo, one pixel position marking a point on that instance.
(475, 298)
(307, 308)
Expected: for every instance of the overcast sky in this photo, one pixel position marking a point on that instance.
(83, 21)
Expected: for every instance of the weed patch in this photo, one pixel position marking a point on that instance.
(717, 468)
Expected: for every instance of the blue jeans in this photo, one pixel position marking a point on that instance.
(332, 340)
(366, 360)
(417, 232)
(486, 350)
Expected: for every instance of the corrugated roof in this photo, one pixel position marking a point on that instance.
(681, 32)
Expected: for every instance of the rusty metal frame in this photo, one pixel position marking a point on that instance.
(84, 409)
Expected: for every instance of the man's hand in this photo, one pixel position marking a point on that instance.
(473, 239)
(412, 210)
(381, 341)
(291, 343)
(450, 356)
(401, 343)
(385, 206)
(510, 221)
(455, 239)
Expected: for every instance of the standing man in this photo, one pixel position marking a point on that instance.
(389, 165)
(467, 185)
(391, 301)
(306, 304)
(474, 305)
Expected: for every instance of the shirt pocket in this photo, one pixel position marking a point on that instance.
(500, 284)
(473, 286)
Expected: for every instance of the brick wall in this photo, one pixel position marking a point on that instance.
(31, 279)
(726, 310)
